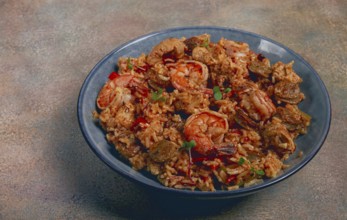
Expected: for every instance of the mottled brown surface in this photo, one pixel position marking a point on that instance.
(47, 48)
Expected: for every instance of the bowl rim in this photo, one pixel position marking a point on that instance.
(206, 194)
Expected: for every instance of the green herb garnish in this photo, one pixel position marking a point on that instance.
(217, 93)
(227, 90)
(158, 95)
(205, 43)
(129, 64)
(188, 145)
(241, 161)
(260, 172)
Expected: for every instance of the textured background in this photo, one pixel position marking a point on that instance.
(47, 48)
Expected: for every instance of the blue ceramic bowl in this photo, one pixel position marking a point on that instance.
(316, 104)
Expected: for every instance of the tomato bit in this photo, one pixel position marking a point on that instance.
(113, 75)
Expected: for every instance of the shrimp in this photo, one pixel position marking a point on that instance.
(257, 104)
(116, 91)
(235, 49)
(207, 129)
(188, 75)
(171, 46)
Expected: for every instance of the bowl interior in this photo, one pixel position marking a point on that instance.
(316, 103)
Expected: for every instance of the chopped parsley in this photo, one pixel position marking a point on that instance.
(129, 64)
(227, 90)
(241, 161)
(158, 95)
(217, 93)
(205, 43)
(188, 145)
(258, 172)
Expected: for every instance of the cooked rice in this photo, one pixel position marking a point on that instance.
(203, 116)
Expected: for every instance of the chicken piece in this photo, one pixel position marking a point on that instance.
(163, 151)
(288, 92)
(276, 135)
(260, 68)
(283, 71)
(295, 120)
(191, 102)
(197, 41)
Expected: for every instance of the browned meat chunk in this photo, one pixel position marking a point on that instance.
(163, 150)
(276, 135)
(295, 120)
(288, 92)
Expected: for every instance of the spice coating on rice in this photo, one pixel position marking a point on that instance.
(203, 116)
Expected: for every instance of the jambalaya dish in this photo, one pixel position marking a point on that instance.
(203, 116)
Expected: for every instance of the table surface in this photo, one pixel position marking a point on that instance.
(47, 48)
